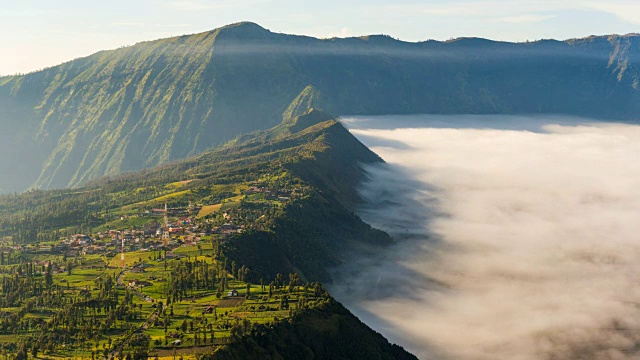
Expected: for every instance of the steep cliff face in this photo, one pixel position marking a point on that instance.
(328, 332)
(163, 100)
(140, 106)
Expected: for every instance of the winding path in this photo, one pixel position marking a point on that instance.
(147, 324)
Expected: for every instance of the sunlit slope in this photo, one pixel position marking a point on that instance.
(307, 232)
(327, 332)
(312, 153)
(159, 101)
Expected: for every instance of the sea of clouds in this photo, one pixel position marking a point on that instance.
(518, 237)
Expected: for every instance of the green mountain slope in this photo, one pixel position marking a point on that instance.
(306, 233)
(312, 152)
(159, 101)
(328, 332)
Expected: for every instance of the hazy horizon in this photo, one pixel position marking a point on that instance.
(41, 34)
(254, 48)
(515, 244)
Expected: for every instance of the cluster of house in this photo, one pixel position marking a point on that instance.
(109, 242)
(227, 229)
(72, 246)
(280, 195)
(150, 237)
(174, 228)
(153, 236)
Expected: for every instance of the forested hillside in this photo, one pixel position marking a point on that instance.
(194, 257)
(312, 158)
(328, 332)
(159, 101)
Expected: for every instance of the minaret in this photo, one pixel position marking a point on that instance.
(166, 215)
(165, 233)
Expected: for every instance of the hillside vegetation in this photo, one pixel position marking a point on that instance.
(319, 162)
(329, 332)
(160, 101)
(222, 255)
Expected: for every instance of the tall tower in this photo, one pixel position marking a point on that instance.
(165, 233)
(122, 250)
(166, 215)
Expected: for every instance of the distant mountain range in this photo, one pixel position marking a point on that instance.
(159, 101)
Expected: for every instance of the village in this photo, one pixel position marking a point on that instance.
(166, 261)
(159, 229)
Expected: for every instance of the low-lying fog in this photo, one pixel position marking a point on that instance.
(519, 238)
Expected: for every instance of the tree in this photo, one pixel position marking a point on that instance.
(22, 353)
(139, 345)
(69, 267)
(48, 278)
(233, 268)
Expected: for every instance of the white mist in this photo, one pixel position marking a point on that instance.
(515, 244)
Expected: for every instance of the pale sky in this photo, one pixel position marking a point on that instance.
(41, 33)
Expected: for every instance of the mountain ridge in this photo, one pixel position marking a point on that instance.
(158, 101)
(240, 24)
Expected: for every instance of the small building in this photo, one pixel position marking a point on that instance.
(45, 248)
(175, 230)
(171, 256)
(139, 283)
(233, 293)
